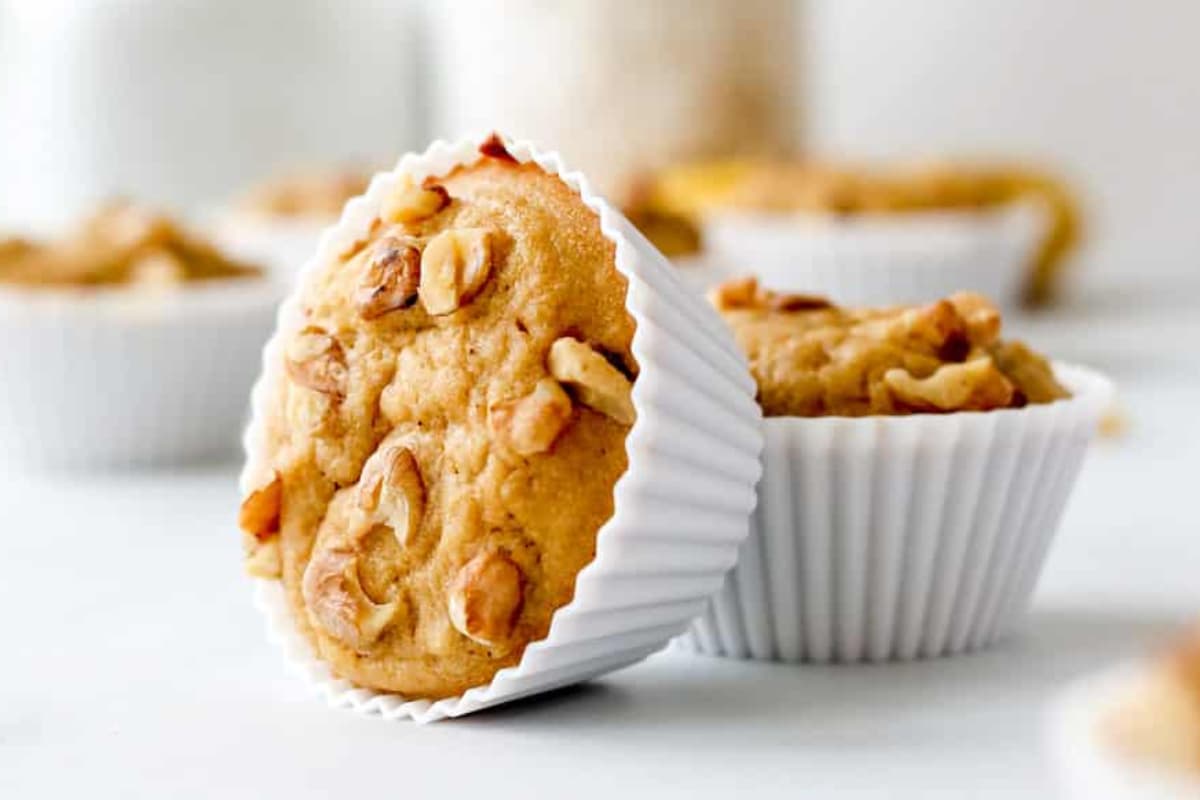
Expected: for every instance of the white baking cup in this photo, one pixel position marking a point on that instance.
(884, 259)
(282, 245)
(1090, 768)
(893, 538)
(681, 508)
(123, 377)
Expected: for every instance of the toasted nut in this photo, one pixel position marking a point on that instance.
(972, 386)
(158, 269)
(410, 203)
(315, 361)
(486, 598)
(337, 603)
(454, 267)
(796, 302)
(745, 293)
(391, 491)
(530, 424)
(493, 147)
(263, 559)
(260, 511)
(596, 382)
(391, 275)
(980, 314)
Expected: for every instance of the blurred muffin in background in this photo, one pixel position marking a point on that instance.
(881, 235)
(278, 222)
(1159, 721)
(128, 340)
(120, 245)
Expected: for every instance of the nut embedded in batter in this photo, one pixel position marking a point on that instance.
(337, 602)
(260, 511)
(486, 598)
(391, 275)
(973, 386)
(315, 361)
(410, 203)
(392, 493)
(455, 265)
(529, 425)
(596, 382)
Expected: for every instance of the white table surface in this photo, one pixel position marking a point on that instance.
(133, 664)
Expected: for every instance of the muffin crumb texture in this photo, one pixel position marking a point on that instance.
(448, 430)
(120, 245)
(813, 359)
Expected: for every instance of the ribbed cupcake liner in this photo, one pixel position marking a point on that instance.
(1087, 766)
(681, 508)
(118, 377)
(903, 258)
(894, 538)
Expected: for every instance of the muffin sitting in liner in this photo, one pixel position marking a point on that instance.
(129, 340)
(445, 427)
(119, 245)
(915, 467)
(871, 234)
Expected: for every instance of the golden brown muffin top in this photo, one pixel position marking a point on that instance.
(307, 194)
(450, 429)
(120, 244)
(813, 359)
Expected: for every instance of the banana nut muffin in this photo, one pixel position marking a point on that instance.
(811, 359)
(120, 244)
(1159, 722)
(450, 430)
(690, 191)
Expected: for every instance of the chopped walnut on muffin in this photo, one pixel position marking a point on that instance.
(446, 429)
(121, 244)
(811, 358)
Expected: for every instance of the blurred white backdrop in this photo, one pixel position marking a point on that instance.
(1109, 90)
(183, 101)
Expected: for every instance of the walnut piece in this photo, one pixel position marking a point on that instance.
(454, 267)
(529, 425)
(315, 360)
(260, 511)
(486, 598)
(410, 203)
(337, 603)
(391, 275)
(596, 382)
(391, 491)
(980, 315)
(745, 293)
(975, 385)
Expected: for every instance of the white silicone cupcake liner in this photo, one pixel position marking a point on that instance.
(1090, 768)
(282, 245)
(681, 508)
(904, 258)
(893, 538)
(117, 377)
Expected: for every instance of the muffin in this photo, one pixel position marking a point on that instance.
(878, 235)
(915, 467)
(1133, 732)
(445, 435)
(278, 222)
(130, 341)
